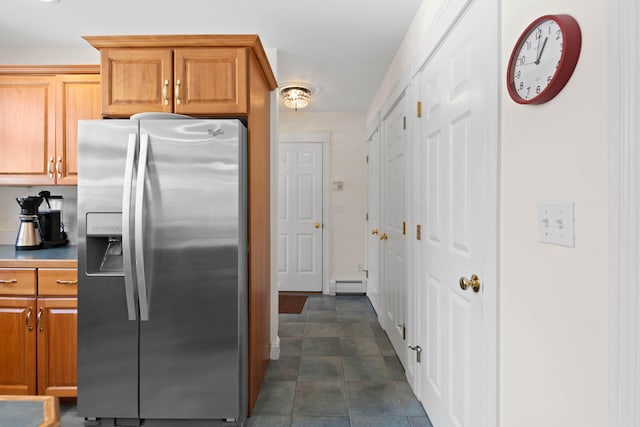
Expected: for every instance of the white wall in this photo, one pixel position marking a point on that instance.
(554, 299)
(347, 164)
(35, 56)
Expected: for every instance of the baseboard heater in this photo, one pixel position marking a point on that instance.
(348, 287)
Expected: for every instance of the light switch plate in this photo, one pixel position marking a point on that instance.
(556, 223)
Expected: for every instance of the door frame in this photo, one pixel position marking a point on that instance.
(445, 21)
(624, 213)
(319, 138)
(371, 133)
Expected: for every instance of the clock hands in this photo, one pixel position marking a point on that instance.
(537, 61)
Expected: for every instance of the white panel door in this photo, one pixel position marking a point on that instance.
(455, 198)
(393, 239)
(300, 217)
(373, 221)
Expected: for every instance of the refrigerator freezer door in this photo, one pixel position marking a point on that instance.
(194, 244)
(107, 340)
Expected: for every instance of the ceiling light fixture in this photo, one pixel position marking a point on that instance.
(295, 96)
(50, 1)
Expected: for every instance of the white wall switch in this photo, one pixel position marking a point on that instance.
(556, 223)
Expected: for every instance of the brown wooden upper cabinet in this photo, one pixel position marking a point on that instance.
(186, 81)
(39, 113)
(193, 75)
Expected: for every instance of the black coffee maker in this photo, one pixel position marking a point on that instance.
(29, 235)
(50, 218)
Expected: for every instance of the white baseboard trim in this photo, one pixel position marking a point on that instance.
(275, 349)
(348, 287)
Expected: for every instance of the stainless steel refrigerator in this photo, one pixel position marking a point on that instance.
(162, 258)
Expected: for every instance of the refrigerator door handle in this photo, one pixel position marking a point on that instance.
(126, 221)
(138, 215)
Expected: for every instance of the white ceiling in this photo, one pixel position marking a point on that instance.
(340, 47)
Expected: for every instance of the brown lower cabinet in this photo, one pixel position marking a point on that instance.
(57, 345)
(38, 332)
(17, 346)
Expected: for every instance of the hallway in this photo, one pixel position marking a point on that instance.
(336, 368)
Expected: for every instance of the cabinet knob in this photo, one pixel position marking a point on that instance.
(59, 167)
(50, 167)
(178, 100)
(38, 321)
(28, 321)
(165, 88)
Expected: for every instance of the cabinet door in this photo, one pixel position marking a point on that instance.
(136, 80)
(56, 323)
(78, 99)
(27, 130)
(17, 346)
(211, 81)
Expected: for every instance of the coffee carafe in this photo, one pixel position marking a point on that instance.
(29, 236)
(50, 218)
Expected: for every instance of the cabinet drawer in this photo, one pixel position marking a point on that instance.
(57, 281)
(17, 281)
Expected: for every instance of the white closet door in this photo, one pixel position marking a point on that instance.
(455, 204)
(393, 243)
(373, 223)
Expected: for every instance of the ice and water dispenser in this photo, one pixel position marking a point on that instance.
(104, 244)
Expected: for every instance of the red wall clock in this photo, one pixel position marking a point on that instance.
(543, 59)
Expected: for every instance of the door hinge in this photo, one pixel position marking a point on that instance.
(418, 232)
(404, 122)
(404, 228)
(367, 158)
(366, 217)
(419, 109)
(366, 274)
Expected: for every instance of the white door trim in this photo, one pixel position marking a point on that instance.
(444, 22)
(321, 138)
(624, 213)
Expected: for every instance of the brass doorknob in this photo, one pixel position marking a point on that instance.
(383, 236)
(473, 283)
(317, 225)
(374, 231)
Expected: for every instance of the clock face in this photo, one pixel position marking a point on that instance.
(543, 59)
(538, 60)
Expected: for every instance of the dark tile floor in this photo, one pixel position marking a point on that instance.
(336, 368)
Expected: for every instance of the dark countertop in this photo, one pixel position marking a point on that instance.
(63, 256)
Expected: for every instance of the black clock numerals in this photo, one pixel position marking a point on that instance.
(549, 45)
